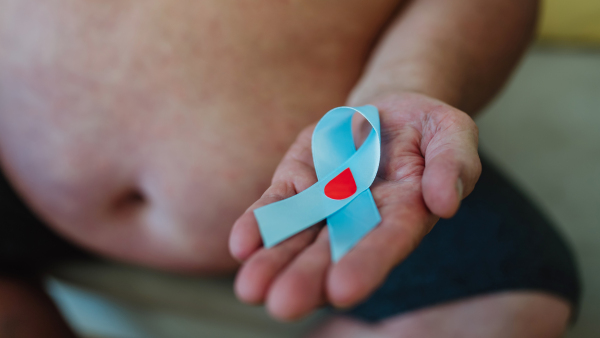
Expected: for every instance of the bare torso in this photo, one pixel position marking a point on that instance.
(143, 129)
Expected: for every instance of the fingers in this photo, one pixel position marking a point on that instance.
(257, 274)
(405, 220)
(452, 165)
(245, 238)
(300, 289)
(294, 174)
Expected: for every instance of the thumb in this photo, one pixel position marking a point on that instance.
(452, 165)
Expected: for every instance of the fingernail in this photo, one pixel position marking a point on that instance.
(459, 188)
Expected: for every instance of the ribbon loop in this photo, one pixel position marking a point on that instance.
(342, 193)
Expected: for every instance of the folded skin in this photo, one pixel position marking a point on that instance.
(429, 163)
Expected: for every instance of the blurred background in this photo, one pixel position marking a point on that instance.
(543, 130)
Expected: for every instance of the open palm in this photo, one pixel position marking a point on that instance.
(429, 162)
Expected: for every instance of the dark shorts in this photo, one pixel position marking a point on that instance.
(497, 241)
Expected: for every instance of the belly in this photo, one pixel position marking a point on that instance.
(143, 129)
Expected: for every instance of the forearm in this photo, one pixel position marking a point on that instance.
(26, 311)
(458, 51)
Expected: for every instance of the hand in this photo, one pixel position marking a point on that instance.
(429, 162)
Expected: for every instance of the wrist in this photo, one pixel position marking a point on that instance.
(374, 87)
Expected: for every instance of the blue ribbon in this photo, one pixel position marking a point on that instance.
(348, 219)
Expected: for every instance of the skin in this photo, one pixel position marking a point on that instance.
(27, 312)
(139, 128)
(505, 314)
(142, 130)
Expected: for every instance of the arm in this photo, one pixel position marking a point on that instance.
(457, 51)
(437, 57)
(26, 311)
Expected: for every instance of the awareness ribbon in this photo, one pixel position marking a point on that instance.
(342, 193)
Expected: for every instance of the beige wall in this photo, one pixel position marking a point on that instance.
(571, 21)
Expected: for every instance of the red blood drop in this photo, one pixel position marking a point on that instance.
(342, 186)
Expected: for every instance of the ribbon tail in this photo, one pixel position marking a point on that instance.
(351, 223)
(281, 220)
